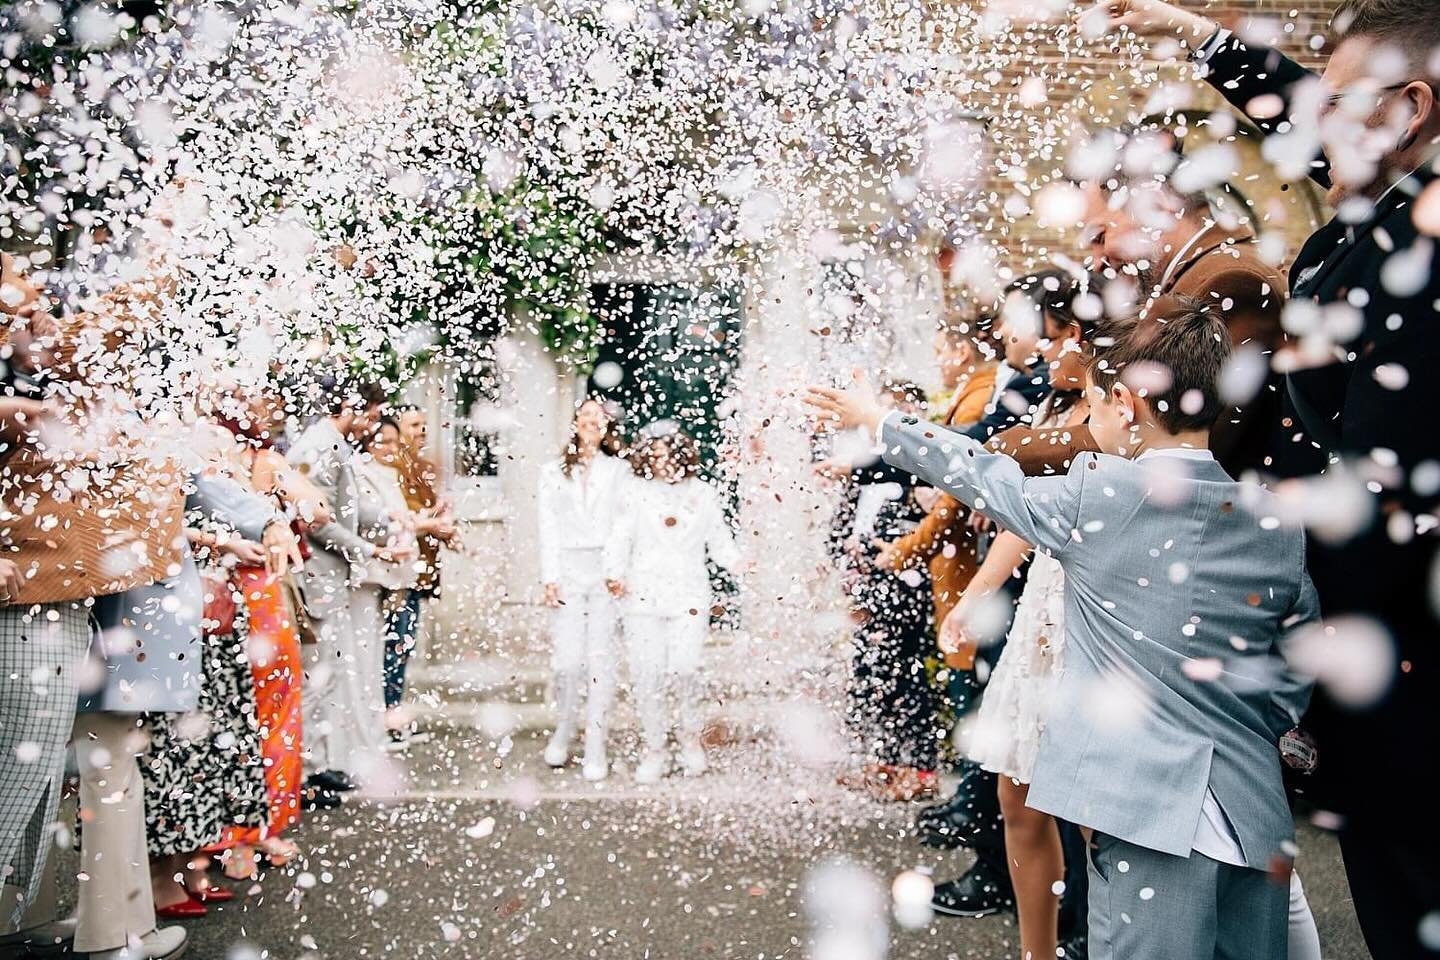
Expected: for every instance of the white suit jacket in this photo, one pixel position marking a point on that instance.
(576, 512)
(662, 536)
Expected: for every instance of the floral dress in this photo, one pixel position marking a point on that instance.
(204, 771)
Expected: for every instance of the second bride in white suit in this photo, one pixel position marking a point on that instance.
(576, 504)
(669, 521)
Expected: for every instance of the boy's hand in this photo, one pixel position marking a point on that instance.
(616, 588)
(552, 596)
(856, 407)
(886, 555)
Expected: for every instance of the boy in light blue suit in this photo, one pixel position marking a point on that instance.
(1180, 584)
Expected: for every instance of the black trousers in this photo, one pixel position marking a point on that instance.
(1393, 867)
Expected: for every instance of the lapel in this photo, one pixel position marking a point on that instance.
(1333, 243)
(598, 477)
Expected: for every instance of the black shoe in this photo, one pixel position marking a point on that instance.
(976, 894)
(314, 795)
(1075, 948)
(957, 823)
(335, 780)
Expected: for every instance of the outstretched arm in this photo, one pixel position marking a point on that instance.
(1043, 511)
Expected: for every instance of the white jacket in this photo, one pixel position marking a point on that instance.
(661, 537)
(576, 512)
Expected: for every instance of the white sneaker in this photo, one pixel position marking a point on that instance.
(595, 772)
(692, 760)
(651, 769)
(556, 754)
(165, 943)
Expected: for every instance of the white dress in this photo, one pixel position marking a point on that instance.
(1005, 736)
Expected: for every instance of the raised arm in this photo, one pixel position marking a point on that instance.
(332, 535)
(230, 502)
(1240, 73)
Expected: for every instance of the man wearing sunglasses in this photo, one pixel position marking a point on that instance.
(1365, 312)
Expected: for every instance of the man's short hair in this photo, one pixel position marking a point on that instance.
(1411, 25)
(904, 391)
(1172, 357)
(977, 329)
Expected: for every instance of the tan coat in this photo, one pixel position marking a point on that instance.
(119, 529)
(1224, 271)
(943, 541)
(79, 532)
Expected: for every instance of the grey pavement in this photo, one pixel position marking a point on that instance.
(476, 850)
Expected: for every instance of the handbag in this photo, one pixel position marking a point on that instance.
(218, 618)
(294, 597)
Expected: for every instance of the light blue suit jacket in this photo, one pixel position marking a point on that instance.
(1179, 586)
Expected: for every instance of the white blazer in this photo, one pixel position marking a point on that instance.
(662, 535)
(576, 512)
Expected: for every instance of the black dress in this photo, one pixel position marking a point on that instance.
(891, 708)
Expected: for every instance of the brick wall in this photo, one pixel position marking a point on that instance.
(1101, 83)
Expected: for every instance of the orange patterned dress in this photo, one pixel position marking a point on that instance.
(273, 648)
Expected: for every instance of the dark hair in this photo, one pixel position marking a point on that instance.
(1186, 343)
(610, 443)
(386, 421)
(340, 393)
(1413, 25)
(1191, 200)
(977, 330)
(1055, 291)
(904, 390)
(684, 453)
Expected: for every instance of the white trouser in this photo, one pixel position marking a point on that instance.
(114, 901)
(665, 654)
(582, 631)
(1304, 938)
(343, 700)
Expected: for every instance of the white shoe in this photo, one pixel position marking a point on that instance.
(692, 760)
(166, 943)
(556, 754)
(651, 769)
(595, 772)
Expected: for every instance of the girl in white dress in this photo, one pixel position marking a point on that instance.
(577, 510)
(669, 521)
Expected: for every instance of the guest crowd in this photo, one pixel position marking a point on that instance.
(220, 627)
(1126, 612)
(1088, 558)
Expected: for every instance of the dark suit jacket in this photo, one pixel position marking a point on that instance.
(1382, 395)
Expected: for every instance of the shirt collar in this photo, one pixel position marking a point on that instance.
(1184, 453)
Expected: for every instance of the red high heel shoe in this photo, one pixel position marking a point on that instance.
(187, 909)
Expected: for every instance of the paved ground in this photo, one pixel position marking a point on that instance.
(478, 851)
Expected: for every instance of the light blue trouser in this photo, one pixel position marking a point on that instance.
(1146, 905)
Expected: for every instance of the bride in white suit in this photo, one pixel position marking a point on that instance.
(669, 521)
(576, 503)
